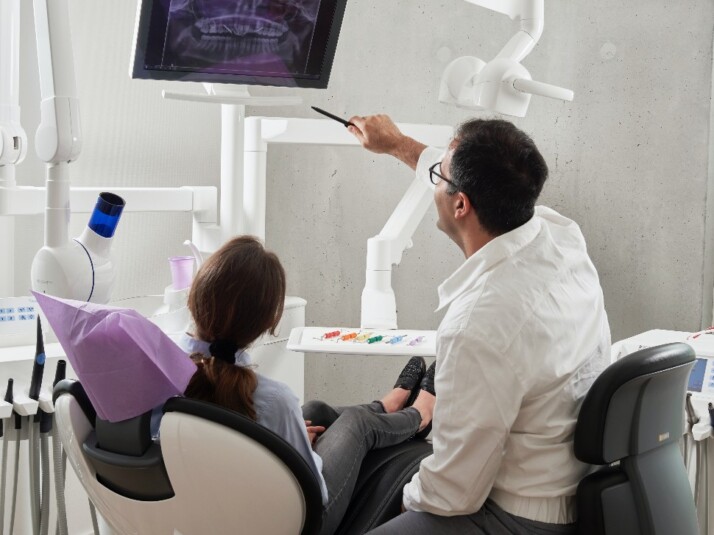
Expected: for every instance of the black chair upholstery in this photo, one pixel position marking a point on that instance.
(632, 420)
(377, 497)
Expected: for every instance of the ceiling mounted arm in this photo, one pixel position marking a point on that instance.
(502, 85)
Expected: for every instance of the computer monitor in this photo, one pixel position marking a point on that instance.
(288, 43)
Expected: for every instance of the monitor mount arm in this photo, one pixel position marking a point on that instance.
(503, 84)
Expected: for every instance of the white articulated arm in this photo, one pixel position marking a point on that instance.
(13, 140)
(81, 268)
(503, 84)
(379, 309)
(531, 15)
(58, 137)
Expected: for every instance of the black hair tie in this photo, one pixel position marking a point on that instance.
(224, 350)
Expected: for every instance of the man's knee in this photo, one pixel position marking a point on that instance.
(318, 412)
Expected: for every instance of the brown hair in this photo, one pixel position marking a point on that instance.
(237, 295)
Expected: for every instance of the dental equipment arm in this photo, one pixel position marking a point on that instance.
(82, 268)
(379, 308)
(530, 13)
(13, 140)
(58, 138)
(503, 84)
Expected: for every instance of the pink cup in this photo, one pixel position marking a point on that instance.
(181, 271)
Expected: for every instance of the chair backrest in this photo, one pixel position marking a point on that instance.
(632, 420)
(214, 471)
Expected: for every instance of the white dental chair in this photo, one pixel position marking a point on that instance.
(214, 471)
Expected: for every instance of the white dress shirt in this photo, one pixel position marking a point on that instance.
(524, 337)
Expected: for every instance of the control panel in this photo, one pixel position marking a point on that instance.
(18, 317)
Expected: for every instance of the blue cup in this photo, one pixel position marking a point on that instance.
(106, 214)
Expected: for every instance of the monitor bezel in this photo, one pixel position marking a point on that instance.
(141, 35)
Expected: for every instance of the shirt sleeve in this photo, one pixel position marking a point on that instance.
(289, 424)
(429, 156)
(477, 400)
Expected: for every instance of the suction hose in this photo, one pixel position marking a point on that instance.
(59, 460)
(5, 445)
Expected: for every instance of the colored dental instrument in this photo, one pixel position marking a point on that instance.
(396, 339)
(332, 334)
(375, 339)
(416, 341)
(348, 336)
(362, 337)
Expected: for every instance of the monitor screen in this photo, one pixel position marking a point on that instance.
(287, 43)
(696, 378)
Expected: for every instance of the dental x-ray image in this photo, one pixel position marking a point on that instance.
(289, 43)
(250, 36)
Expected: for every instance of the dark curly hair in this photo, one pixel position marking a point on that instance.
(500, 170)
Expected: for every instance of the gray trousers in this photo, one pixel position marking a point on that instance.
(351, 433)
(489, 520)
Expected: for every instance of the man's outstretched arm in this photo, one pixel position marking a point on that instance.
(379, 134)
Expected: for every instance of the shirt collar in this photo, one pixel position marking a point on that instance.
(498, 249)
(194, 345)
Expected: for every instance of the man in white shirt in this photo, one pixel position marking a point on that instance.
(523, 339)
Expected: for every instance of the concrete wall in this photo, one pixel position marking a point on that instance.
(629, 158)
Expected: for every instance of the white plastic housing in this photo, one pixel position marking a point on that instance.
(22, 404)
(502, 85)
(98, 250)
(62, 271)
(379, 308)
(58, 138)
(82, 269)
(13, 140)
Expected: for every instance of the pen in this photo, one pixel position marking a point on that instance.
(333, 117)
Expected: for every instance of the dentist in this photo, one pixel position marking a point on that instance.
(523, 339)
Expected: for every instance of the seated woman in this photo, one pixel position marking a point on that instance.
(237, 296)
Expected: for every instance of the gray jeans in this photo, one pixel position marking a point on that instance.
(489, 520)
(351, 433)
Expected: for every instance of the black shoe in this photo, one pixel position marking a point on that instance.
(411, 378)
(427, 384)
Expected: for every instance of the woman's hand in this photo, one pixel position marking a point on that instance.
(313, 431)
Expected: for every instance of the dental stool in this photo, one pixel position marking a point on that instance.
(214, 471)
(632, 421)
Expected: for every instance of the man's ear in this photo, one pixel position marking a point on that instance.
(462, 205)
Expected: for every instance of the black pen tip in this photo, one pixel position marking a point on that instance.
(9, 393)
(40, 348)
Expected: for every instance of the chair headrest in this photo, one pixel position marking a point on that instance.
(75, 389)
(127, 437)
(635, 405)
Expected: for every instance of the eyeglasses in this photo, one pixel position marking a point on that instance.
(433, 173)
